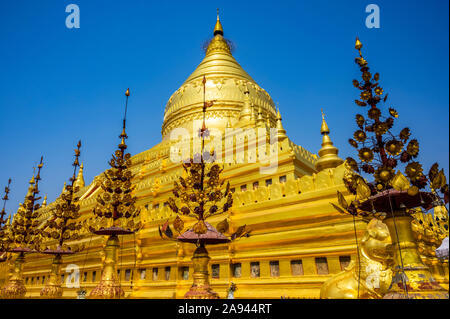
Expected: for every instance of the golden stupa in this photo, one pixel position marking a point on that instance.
(298, 240)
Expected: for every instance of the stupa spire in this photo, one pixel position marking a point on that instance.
(218, 44)
(218, 29)
(44, 202)
(246, 112)
(80, 179)
(260, 120)
(328, 152)
(281, 132)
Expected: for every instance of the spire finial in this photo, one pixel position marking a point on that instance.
(281, 132)
(123, 136)
(79, 182)
(218, 27)
(324, 128)
(328, 153)
(44, 202)
(358, 45)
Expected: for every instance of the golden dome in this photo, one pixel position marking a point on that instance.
(226, 83)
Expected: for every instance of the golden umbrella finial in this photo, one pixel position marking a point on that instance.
(324, 128)
(218, 29)
(358, 46)
(127, 93)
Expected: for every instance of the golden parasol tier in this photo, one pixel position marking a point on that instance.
(411, 278)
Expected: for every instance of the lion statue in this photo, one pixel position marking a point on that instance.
(375, 251)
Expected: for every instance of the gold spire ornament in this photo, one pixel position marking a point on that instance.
(328, 154)
(281, 132)
(199, 195)
(116, 214)
(218, 29)
(4, 224)
(44, 202)
(246, 112)
(392, 196)
(61, 227)
(23, 236)
(79, 182)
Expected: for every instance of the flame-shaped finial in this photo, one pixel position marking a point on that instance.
(218, 27)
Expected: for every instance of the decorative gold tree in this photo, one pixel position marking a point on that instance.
(200, 196)
(23, 237)
(4, 223)
(115, 214)
(62, 226)
(391, 196)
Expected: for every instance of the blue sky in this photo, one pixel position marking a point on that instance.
(59, 85)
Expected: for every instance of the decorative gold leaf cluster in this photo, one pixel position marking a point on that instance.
(63, 225)
(380, 151)
(200, 194)
(23, 232)
(116, 204)
(3, 220)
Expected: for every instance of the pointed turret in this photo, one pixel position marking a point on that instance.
(218, 27)
(44, 202)
(281, 132)
(228, 123)
(260, 120)
(246, 112)
(80, 179)
(252, 114)
(64, 188)
(328, 152)
(32, 182)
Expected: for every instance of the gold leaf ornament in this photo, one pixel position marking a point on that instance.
(342, 200)
(178, 224)
(362, 189)
(200, 228)
(439, 180)
(223, 226)
(400, 182)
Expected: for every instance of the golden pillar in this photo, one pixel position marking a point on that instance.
(109, 287)
(201, 288)
(411, 277)
(53, 288)
(15, 288)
